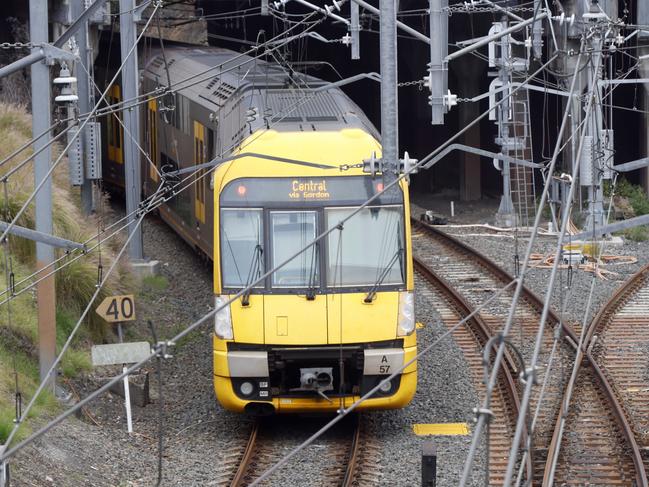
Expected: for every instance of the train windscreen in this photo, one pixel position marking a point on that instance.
(369, 249)
(241, 246)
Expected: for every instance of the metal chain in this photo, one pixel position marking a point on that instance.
(17, 45)
(470, 8)
(419, 82)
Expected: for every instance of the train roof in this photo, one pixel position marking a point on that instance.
(212, 76)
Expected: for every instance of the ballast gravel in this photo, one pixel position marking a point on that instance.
(200, 438)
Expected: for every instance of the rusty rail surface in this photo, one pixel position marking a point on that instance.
(472, 338)
(600, 391)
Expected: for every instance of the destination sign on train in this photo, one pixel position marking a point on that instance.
(307, 191)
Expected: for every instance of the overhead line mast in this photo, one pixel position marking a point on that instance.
(41, 96)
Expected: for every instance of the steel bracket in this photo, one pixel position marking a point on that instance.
(55, 54)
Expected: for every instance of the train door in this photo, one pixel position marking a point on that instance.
(200, 156)
(115, 131)
(152, 139)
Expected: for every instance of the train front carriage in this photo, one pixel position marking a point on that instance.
(326, 327)
(330, 324)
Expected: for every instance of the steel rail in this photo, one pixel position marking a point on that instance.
(595, 330)
(353, 458)
(498, 271)
(618, 412)
(247, 456)
(482, 334)
(572, 340)
(614, 301)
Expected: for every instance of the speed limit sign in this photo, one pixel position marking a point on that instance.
(115, 309)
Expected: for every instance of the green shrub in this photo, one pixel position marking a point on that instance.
(637, 234)
(75, 362)
(155, 283)
(635, 194)
(75, 280)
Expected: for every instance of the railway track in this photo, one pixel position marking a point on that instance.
(350, 457)
(618, 342)
(472, 338)
(600, 449)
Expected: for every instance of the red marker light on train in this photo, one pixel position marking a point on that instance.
(379, 187)
(241, 190)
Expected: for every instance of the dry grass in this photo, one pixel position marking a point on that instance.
(75, 281)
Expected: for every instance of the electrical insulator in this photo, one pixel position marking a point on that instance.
(450, 100)
(66, 81)
(408, 165)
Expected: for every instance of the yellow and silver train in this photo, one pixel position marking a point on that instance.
(326, 327)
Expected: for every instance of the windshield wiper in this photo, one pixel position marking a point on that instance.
(372, 292)
(252, 272)
(313, 271)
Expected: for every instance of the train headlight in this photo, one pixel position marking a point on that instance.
(246, 388)
(223, 319)
(385, 387)
(406, 321)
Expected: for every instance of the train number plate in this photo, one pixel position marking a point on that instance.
(382, 361)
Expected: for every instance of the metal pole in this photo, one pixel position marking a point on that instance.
(401, 25)
(354, 29)
(45, 290)
(595, 125)
(127, 388)
(506, 213)
(84, 93)
(130, 118)
(438, 65)
(389, 101)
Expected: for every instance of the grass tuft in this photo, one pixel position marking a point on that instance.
(75, 280)
(155, 283)
(637, 234)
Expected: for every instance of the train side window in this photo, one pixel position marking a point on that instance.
(115, 131)
(242, 259)
(152, 141)
(200, 176)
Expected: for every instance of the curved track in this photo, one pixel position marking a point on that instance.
(351, 458)
(599, 439)
(618, 341)
(472, 338)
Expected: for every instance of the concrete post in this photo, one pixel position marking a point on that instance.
(389, 101)
(41, 108)
(85, 98)
(130, 118)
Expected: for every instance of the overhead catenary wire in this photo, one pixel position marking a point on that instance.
(72, 334)
(12, 450)
(519, 288)
(546, 308)
(53, 166)
(565, 403)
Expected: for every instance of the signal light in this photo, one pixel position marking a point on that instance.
(241, 190)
